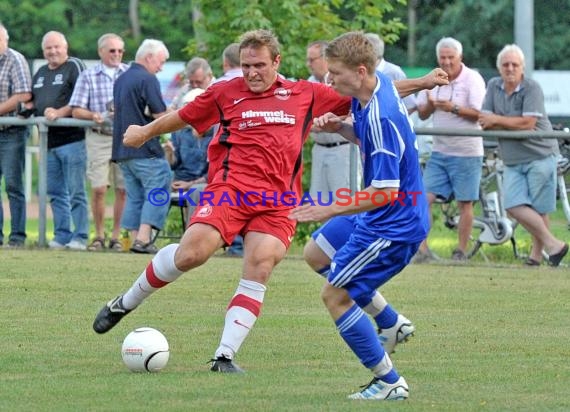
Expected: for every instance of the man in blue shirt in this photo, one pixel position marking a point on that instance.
(380, 228)
(138, 100)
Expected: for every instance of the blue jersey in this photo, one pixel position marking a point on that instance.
(389, 152)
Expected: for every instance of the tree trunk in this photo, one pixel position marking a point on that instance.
(134, 19)
(412, 16)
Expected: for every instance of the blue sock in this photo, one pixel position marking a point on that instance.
(359, 334)
(387, 318)
(390, 377)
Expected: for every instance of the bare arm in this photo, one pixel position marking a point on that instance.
(491, 121)
(53, 114)
(436, 77)
(81, 113)
(11, 104)
(367, 199)
(136, 135)
(331, 123)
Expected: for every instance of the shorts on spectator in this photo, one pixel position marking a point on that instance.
(101, 172)
(532, 184)
(446, 175)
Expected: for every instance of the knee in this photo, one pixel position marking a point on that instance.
(333, 296)
(187, 258)
(99, 192)
(315, 257)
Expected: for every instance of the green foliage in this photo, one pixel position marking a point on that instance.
(492, 336)
(220, 25)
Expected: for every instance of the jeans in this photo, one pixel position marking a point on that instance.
(143, 177)
(66, 168)
(12, 160)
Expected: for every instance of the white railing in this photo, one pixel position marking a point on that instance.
(43, 125)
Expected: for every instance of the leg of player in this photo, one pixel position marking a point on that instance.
(199, 242)
(359, 334)
(393, 328)
(262, 253)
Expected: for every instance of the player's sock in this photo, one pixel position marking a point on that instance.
(243, 310)
(160, 272)
(384, 315)
(359, 334)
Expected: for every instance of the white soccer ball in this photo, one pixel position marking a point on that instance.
(145, 350)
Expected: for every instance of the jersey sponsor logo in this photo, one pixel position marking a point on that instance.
(282, 94)
(271, 116)
(248, 124)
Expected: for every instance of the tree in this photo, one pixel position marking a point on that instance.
(295, 22)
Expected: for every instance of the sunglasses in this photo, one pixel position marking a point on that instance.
(116, 51)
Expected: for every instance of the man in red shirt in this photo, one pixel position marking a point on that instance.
(254, 181)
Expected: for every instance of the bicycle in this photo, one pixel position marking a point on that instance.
(493, 226)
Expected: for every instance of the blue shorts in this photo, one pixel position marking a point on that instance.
(446, 175)
(361, 260)
(532, 184)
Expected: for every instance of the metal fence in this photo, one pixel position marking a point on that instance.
(43, 125)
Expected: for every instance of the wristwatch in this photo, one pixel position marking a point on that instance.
(455, 109)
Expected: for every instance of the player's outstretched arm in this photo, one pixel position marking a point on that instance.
(136, 136)
(437, 77)
(331, 123)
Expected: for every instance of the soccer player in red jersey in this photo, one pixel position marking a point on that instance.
(264, 121)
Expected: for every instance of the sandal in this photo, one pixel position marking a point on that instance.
(531, 262)
(115, 245)
(97, 245)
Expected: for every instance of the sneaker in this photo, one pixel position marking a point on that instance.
(458, 256)
(382, 391)
(399, 333)
(54, 244)
(13, 244)
(224, 365)
(76, 245)
(110, 315)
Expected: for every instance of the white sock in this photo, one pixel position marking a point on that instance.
(376, 305)
(243, 310)
(384, 367)
(160, 272)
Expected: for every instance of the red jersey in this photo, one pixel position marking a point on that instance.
(259, 143)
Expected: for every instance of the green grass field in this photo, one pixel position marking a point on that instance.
(490, 338)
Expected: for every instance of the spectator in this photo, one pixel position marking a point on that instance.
(187, 154)
(454, 168)
(230, 63)
(393, 71)
(138, 100)
(198, 74)
(330, 155)
(92, 99)
(15, 88)
(253, 151)
(53, 85)
(515, 102)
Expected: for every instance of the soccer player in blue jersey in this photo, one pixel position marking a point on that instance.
(373, 236)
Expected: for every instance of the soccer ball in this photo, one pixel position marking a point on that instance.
(145, 350)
